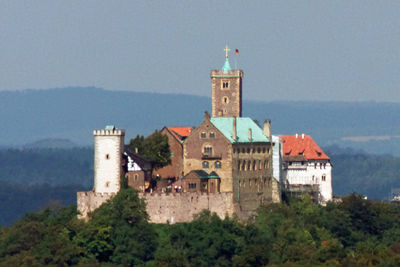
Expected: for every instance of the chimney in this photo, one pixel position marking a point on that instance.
(234, 131)
(250, 134)
(267, 129)
(297, 136)
(302, 136)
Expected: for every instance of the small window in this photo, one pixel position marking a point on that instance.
(258, 150)
(205, 165)
(217, 164)
(136, 177)
(107, 156)
(248, 150)
(324, 178)
(203, 135)
(239, 165)
(243, 150)
(172, 155)
(225, 84)
(192, 186)
(212, 135)
(208, 150)
(107, 184)
(244, 165)
(264, 150)
(225, 100)
(248, 165)
(254, 166)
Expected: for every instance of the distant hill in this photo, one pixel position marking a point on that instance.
(50, 143)
(72, 113)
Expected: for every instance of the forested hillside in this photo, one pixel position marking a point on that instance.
(356, 232)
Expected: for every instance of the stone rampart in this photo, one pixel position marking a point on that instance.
(181, 207)
(89, 201)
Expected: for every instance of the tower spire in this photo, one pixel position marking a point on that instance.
(227, 66)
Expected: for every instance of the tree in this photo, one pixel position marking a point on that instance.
(155, 148)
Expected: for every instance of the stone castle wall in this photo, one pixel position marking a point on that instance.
(166, 208)
(89, 201)
(181, 207)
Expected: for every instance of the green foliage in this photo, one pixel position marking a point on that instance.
(155, 147)
(356, 232)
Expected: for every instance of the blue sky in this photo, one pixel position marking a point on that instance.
(294, 50)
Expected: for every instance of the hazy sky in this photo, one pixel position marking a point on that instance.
(296, 50)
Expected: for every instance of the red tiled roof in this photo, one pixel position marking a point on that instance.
(295, 146)
(180, 133)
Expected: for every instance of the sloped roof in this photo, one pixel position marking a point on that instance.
(180, 133)
(296, 145)
(144, 163)
(204, 175)
(243, 124)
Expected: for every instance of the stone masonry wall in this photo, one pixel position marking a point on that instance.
(89, 201)
(181, 207)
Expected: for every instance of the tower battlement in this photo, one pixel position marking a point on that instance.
(227, 74)
(106, 132)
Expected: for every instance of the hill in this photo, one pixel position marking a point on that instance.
(73, 113)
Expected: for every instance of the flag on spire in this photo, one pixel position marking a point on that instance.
(237, 51)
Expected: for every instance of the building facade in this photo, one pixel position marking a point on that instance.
(306, 166)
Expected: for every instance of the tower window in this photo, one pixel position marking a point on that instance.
(218, 164)
(324, 178)
(203, 135)
(225, 100)
(225, 84)
(212, 135)
(107, 156)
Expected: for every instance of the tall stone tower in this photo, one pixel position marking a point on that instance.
(226, 86)
(108, 149)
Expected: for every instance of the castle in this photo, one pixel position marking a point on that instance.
(228, 164)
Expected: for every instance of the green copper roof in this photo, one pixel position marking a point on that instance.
(226, 66)
(225, 126)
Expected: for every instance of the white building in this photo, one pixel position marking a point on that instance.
(306, 165)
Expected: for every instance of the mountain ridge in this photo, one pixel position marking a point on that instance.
(73, 112)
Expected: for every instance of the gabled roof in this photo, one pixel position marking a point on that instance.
(297, 145)
(143, 163)
(180, 133)
(243, 124)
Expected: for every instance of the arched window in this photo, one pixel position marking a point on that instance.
(254, 165)
(323, 177)
(136, 177)
(217, 165)
(248, 165)
(244, 165)
(205, 165)
(239, 165)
